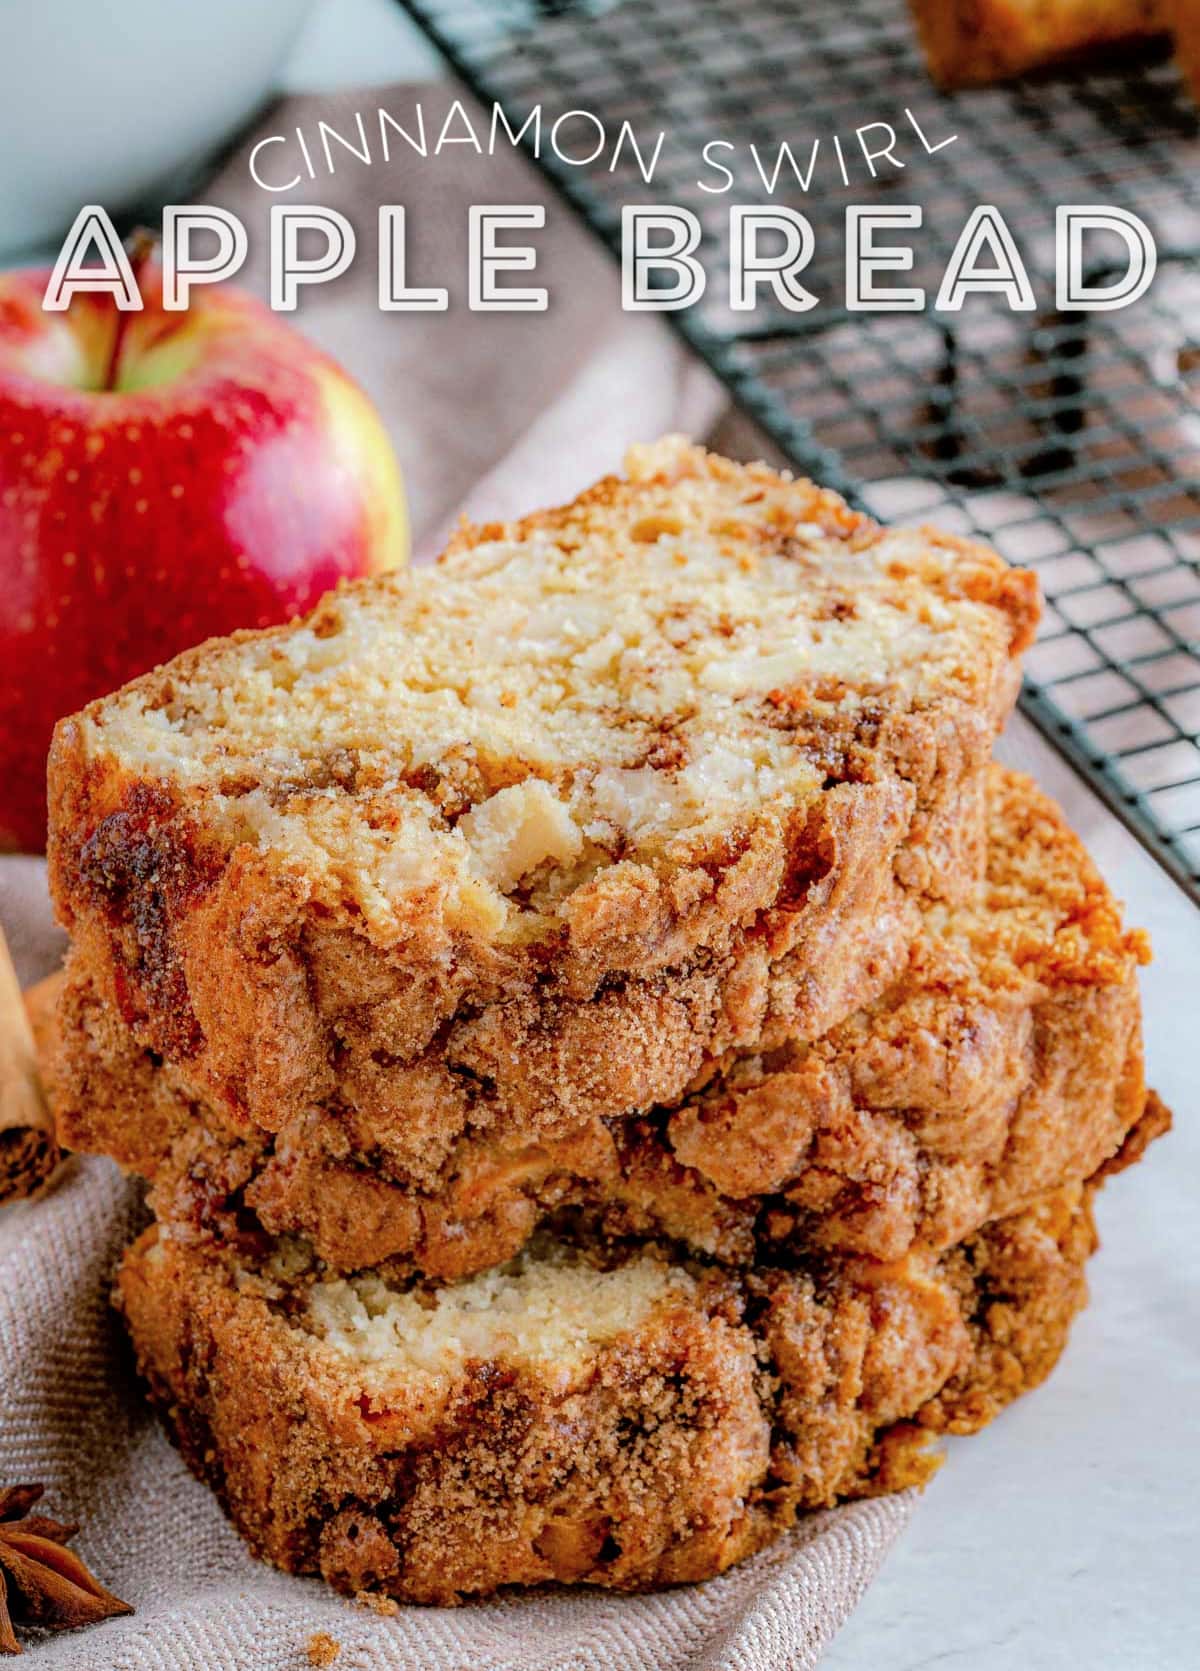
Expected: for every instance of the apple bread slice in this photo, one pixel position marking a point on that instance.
(1004, 1062)
(702, 722)
(586, 1414)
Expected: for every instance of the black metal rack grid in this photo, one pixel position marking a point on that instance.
(1071, 442)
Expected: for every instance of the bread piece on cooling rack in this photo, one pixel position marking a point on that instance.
(702, 723)
(1004, 1062)
(602, 1416)
(1185, 21)
(970, 42)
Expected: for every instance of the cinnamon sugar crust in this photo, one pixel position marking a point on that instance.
(590, 1414)
(1005, 1061)
(682, 746)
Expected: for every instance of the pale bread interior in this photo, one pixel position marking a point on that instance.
(616, 681)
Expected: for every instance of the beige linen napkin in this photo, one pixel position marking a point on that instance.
(499, 414)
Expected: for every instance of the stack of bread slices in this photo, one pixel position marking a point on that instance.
(616, 1064)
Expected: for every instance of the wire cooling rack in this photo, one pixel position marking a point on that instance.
(1071, 442)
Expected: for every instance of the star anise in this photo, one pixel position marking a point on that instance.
(41, 1581)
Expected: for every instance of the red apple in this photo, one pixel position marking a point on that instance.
(164, 477)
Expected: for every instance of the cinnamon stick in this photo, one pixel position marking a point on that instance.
(29, 1151)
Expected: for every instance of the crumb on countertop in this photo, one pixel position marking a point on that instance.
(322, 1649)
(386, 1606)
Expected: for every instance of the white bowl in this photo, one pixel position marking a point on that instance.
(113, 102)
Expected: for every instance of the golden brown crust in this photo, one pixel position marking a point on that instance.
(274, 1008)
(279, 992)
(1006, 1061)
(533, 1066)
(674, 1450)
(971, 42)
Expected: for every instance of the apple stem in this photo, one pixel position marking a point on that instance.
(140, 248)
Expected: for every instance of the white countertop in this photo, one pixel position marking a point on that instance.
(1066, 1535)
